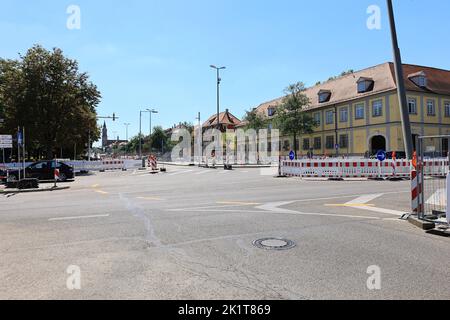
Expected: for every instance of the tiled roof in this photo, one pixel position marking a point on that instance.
(225, 118)
(344, 89)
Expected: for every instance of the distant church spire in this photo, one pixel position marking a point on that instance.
(104, 135)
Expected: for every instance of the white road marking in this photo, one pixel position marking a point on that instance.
(438, 198)
(80, 217)
(364, 199)
(202, 172)
(360, 201)
(180, 172)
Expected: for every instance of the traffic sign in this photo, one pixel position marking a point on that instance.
(381, 155)
(6, 142)
(292, 155)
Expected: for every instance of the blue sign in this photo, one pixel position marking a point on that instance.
(381, 155)
(19, 138)
(292, 155)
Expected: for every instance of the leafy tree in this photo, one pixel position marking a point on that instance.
(44, 92)
(255, 121)
(159, 138)
(291, 117)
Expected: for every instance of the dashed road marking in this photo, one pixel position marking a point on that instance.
(150, 198)
(80, 217)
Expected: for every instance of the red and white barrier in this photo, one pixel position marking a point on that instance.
(346, 168)
(153, 163)
(416, 189)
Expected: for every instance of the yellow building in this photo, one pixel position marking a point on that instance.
(359, 112)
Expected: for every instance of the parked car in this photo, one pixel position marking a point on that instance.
(43, 171)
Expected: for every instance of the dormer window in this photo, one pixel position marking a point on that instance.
(419, 79)
(365, 84)
(324, 96)
(271, 111)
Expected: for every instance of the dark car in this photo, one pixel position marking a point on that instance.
(44, 171)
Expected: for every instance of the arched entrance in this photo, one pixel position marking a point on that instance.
(377, 143)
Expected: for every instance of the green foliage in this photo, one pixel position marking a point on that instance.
(255, 120)
(44, 92)
(291, 117)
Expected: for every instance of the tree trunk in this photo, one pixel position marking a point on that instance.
(295, 146)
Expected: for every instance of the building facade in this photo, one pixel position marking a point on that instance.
(358, 114)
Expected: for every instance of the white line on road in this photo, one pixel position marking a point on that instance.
(180, 172)
(202, 172)
(364, 199)
(79, 217)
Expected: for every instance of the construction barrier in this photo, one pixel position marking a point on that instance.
(346, 168)
(152, 163)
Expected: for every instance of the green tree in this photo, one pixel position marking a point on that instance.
(291, 117)
(159, 139)
(44, 92)
(255, 121)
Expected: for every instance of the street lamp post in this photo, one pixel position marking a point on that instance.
(151, 111)
(406, 124)
(140, 133)
(218, 92)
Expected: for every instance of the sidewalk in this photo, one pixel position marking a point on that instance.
(3, 189)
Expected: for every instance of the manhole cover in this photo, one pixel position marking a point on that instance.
(274, 244)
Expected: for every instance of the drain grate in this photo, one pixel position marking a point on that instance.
(274, 244)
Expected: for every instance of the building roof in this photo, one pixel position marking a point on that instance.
(225, 118)
(344, 89)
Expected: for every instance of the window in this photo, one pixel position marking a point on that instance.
(306, 145)
(343, 115)
(271, 112)
(365, 85)
(359, 111)
(329, 142)
(412, 106)
(419, 79)
(330, 117)
(317, 118)
(286, 145)
(324, 96)
(343, 141)
(377, 108)
(317, 143)
(431, 110)
(447, 109)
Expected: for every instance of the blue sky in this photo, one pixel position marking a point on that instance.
(156, 53)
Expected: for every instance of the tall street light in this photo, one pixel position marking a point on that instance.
(140, 133)
(218, 92)
(406, 124)
(151, 111)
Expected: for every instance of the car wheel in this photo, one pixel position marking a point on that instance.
(13, 178)
(62, 177)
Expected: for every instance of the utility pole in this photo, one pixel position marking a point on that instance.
(219, 80)
(200, 139)
(404, 113)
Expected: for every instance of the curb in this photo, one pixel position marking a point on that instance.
(424, 225)
(219, 166)
(33, 190)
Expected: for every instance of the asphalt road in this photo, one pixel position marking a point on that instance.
(188, 234)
